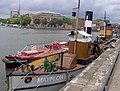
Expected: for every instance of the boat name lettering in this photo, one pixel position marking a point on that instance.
(51, 79)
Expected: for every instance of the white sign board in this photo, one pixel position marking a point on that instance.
(88, 23)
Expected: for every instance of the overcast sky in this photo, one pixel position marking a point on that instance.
(64, 7)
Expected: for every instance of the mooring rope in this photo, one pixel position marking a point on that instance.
(20, 82)
(39, 85)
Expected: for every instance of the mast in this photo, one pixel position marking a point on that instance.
(104, 24)
(77, 21)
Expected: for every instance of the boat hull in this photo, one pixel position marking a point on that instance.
(39, 82)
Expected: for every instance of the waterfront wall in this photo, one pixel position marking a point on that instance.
(96, 75)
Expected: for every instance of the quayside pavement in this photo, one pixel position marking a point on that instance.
(115, 81)
(98, 76)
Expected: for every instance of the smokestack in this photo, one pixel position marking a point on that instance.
(88, 21)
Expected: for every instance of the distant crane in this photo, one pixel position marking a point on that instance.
(105, 23)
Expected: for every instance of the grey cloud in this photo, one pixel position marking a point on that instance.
(62, 6)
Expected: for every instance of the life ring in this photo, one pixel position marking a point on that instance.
(28, 79)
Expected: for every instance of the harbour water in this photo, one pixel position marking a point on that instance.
(14, 39)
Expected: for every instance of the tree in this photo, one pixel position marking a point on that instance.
(12, 20)
(53, 22)
(44, 22)
(3, 20)
(107, 21)
(66, 20)
(17, 20)
(36, 21)
(100, 20)
(60, 22)
(25, 20)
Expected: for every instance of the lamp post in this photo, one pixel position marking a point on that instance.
(19, 10)
(118, 30)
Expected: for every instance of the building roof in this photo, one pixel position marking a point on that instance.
(48, 12)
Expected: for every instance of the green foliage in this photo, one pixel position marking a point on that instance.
(25, 20)
(3, 20)
(12, 20)
(66, 20)
(118, 26)
(60, 22)
(107, 21)
(44, 21)
(37, 21)
(81, 18)
(17, 20)
(100, 20)
(53, 22)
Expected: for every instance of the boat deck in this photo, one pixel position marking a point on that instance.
(78, 66)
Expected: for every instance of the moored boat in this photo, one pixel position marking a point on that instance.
(33, 52)
(51, 67)
(48, 68)
(49, 71)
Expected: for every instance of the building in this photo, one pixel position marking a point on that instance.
(95, 24)
(48, 16)
(14, 14)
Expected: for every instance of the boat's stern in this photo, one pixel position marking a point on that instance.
(12, 65)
